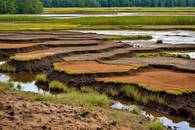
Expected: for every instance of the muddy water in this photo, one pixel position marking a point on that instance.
(169, 37)
(24, 82)
(167, 120)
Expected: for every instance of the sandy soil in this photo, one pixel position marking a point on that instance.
(17, 113)
(91, 67)
(160, 80)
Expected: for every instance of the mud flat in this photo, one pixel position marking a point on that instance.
(79, 60)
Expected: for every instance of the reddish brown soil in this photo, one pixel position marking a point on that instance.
(160, 80)
(15, 46)
(91, 67)
(177, 62)
(17, 113)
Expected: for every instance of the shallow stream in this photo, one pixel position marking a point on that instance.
(169, 37)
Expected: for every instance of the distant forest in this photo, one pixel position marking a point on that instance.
(20, 6)
(35, 6)
(119, 3)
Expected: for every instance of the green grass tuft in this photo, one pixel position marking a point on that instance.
(157, 125)
(41, 78)
(8, 85)
(7, 67)
(90, 98)
(133, 92)
(57, 85)
(133, 37)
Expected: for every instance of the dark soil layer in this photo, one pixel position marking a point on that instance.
(183, 105)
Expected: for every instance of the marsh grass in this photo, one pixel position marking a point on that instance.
(8, 85)
(133, 92)
(112, 10)
(41, 77)
(162, 54)
(157, 125)
(87, 89)
(57, 85)
(133, 37)
(94, 99)
(7, 67)
(21, 18)
(111, 91)
(132, 20)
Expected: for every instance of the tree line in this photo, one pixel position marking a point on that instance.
(20, 6)
(119, 3)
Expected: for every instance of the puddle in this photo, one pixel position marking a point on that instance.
(165, 120)
(169, 37)
(24, 82)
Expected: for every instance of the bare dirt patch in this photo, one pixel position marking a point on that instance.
(17, 113)
(83, 67)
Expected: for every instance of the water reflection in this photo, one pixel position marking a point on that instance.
(169, 37)
(166, 121)
(24, 82)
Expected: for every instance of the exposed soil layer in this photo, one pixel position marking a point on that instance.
(43, 49)
(22, 114)
(161, 62)
(159, 80)
(183, 105)
(84, 67)
(65, 50)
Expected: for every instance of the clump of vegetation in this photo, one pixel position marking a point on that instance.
(136, 111)
(133, 92)
(57, 85)
(7, 67)
(133, 37)
(159, 41)
(94, 99)
(111, 91)
(8, 85)
(41, 77)
(87, 89)
(179, 55)
(157, 125)
(162, 54)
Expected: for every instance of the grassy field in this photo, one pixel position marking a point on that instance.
(132, 20)
(111, 10)
(15, 23)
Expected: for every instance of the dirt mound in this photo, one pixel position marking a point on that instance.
(17, 113)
